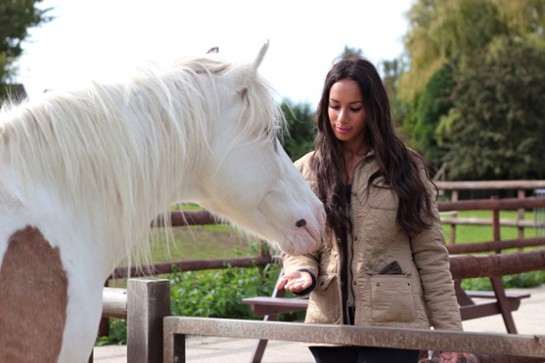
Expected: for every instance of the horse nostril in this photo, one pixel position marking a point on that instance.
(300, 223)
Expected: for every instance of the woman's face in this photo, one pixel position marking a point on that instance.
(346, 113)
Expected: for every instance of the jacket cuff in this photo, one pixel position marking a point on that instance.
(309, 289)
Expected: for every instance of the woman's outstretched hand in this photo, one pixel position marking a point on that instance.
(295, 282)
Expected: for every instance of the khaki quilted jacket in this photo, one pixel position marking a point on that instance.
(422, 295)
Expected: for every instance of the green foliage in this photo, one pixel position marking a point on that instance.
(496, 129)
(219, 293)
(472, 36)
(440, 31)
(349, 52)
(300, 120)
(434, 103)
(12, 92)
(118, 333)
(391, 71)
(212, 293)
(477, 284)
(523, 280)
(16, 17)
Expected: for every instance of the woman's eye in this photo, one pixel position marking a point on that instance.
(333, 107)
(355, 109)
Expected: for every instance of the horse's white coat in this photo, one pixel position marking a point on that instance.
(90, 169)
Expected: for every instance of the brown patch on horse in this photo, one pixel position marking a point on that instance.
(33, 299)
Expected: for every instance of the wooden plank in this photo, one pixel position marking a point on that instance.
(420, 339)
(191, 265)
(469, 312)
(264, 305)
(492, 204)
(490, 184)
(488, 222)
(492, 295)
(468, 266)
(495, 245)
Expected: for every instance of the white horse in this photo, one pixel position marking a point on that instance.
(82, 175)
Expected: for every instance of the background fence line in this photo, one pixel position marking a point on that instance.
(117, 305)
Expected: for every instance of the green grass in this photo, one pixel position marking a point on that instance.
(202, 242)
(468, 234)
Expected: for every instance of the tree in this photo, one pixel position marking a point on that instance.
(391, 71)
(16, 16)
(435, 102)
(462, 35)
(496, 129)
(300, 137)
(443, 30)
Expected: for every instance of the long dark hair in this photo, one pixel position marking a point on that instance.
(398, 166)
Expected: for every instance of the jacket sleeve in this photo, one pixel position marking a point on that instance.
(432, 260)
(297, 263)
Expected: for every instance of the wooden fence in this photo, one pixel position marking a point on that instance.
(143, 346)
(145, 305)
(520, 348)
(520, 204)
(521, 187)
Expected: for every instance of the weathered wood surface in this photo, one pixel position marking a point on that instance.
(421, 339)
(468, 266)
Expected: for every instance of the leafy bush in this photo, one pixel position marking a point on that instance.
(523, 280)
(219, 293)
(212, 293)
(118, 333)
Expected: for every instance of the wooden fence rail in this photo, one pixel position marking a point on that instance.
(176, 328)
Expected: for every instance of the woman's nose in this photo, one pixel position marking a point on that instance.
(343, 116)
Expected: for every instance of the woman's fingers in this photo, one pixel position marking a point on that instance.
(295, 282)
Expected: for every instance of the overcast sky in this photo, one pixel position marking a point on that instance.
(107, 39)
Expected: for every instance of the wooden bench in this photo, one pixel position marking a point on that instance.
(502, 302)
(266, 305)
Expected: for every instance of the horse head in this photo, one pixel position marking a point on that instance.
(250, 180)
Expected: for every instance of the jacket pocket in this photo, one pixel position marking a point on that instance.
(392, 299)
(323, 281)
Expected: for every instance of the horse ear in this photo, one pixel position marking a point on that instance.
(249, 74)
(260, 56)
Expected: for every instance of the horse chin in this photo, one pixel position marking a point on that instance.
(300, 243)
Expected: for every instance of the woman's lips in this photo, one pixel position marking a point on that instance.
(342, 130)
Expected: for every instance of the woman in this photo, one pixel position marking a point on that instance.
(384, 262)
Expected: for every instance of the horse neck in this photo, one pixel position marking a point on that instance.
(117, 166)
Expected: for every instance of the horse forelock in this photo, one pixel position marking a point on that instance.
(126, 144)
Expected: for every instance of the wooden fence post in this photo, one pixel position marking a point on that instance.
(453, 198)
(521, 194)
(148, 302)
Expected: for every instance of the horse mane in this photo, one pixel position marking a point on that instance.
(114, 151)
